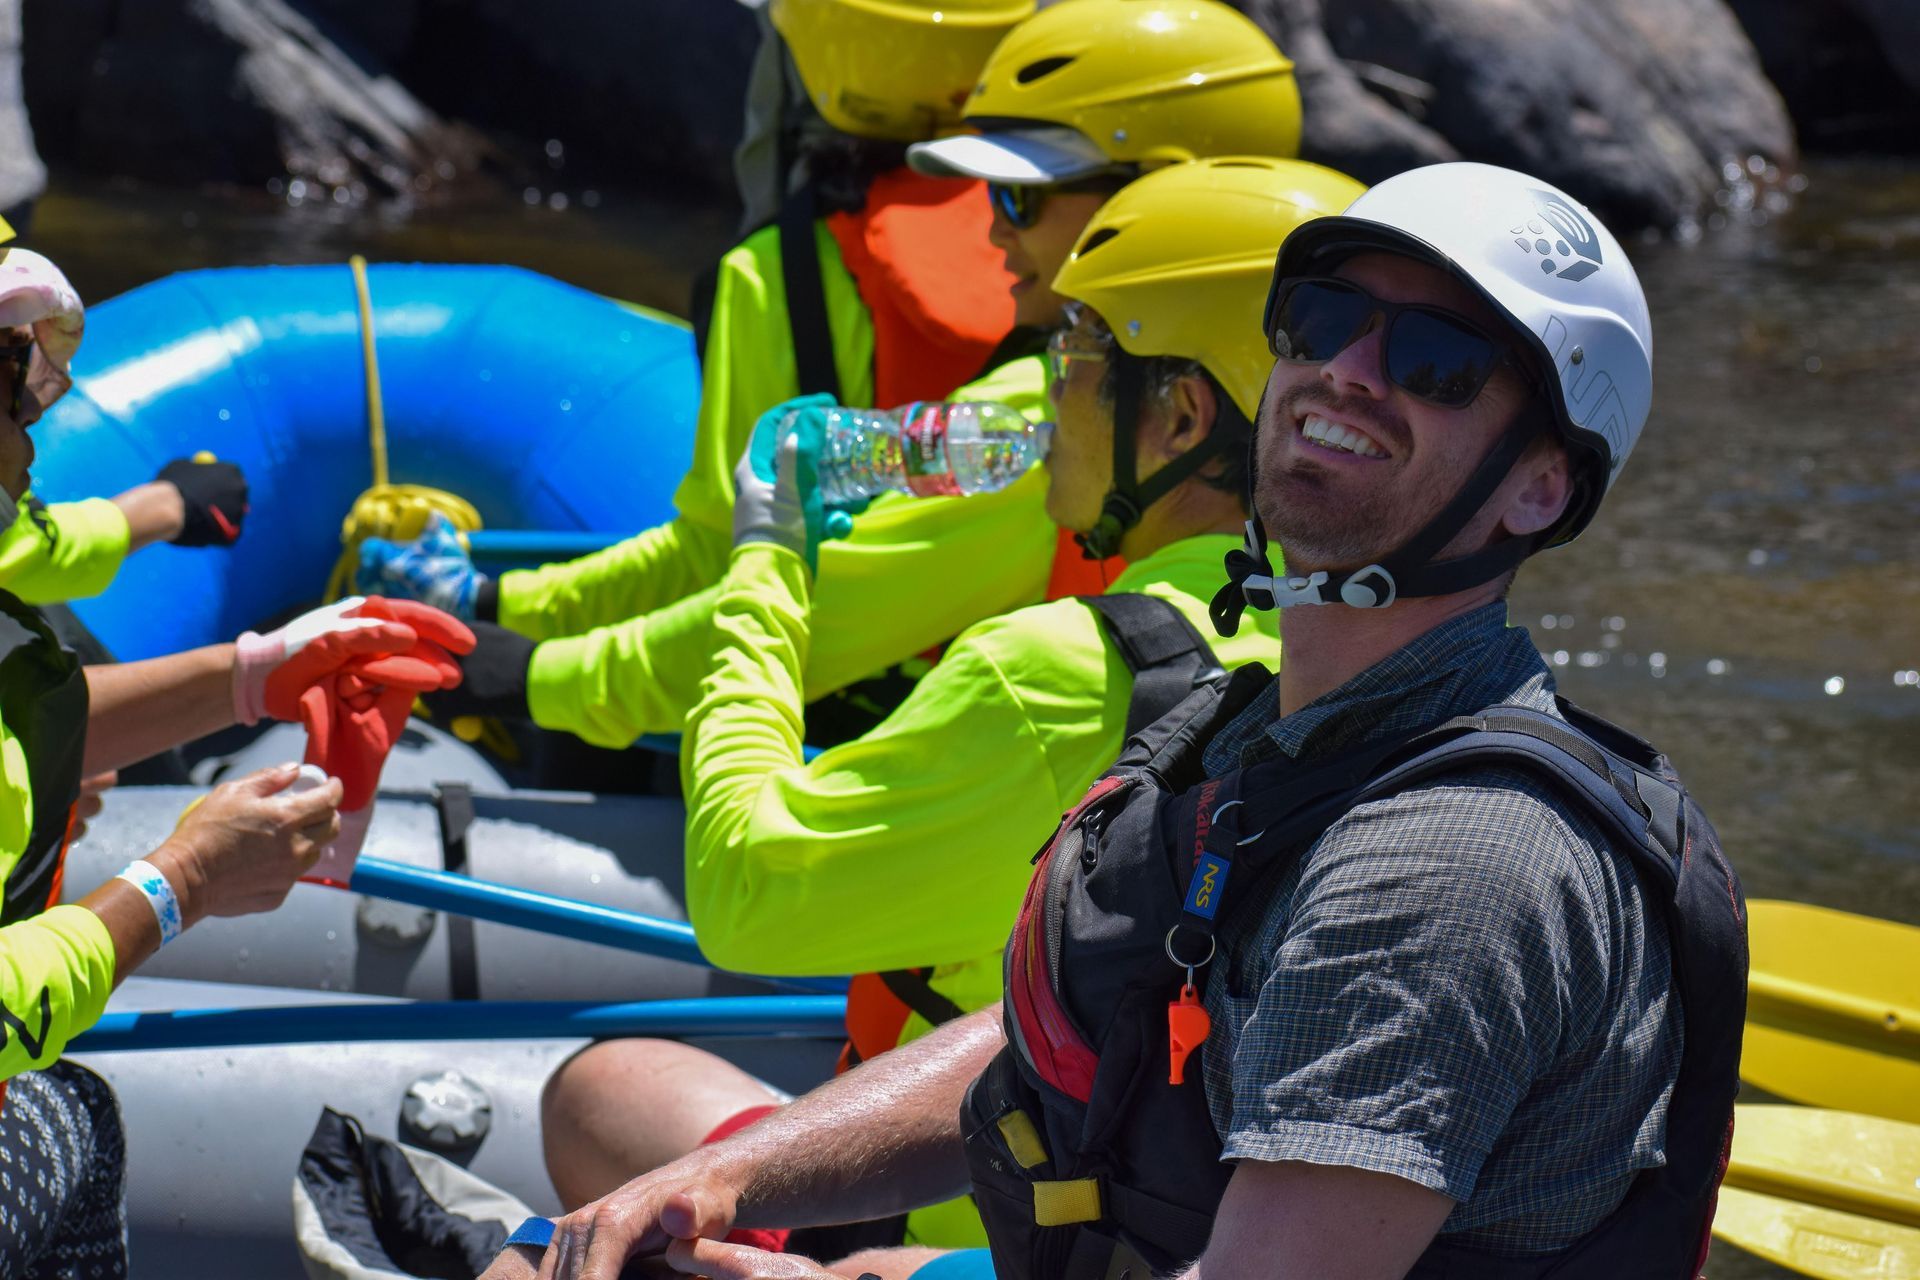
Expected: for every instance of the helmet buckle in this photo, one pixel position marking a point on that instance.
(1369, 588)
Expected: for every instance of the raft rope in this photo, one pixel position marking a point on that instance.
(395, 511)
(399, 512)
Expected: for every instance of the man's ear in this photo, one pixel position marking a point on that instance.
(1539, 488)
(1192, 408)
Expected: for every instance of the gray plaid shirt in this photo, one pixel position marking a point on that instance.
(1458, 985)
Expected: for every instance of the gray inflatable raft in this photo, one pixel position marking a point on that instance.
(617, 851)
(214, 1135)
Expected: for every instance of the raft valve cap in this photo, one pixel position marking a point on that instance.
(445, 1111)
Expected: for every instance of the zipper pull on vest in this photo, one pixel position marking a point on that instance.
(1188, 1027)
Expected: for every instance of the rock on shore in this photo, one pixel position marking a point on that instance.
(1635, 105)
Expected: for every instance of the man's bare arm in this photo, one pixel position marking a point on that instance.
(140, 709)
(882, 1139)
(1296, 1221)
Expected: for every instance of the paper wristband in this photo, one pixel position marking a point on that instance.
(537, 1232)
(146, 877)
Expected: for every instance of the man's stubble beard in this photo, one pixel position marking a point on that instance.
(1314, 528)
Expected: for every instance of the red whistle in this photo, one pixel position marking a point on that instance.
(1188, 1027)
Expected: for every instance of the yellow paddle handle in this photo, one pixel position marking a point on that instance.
(1807, 1009)
(1822, 1191)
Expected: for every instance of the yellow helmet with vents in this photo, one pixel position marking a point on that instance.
(1087, 86)
(1179, 262)
(893, 69)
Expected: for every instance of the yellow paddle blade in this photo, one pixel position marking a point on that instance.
(1816, 1242)
(1825, 1193)
(1833, 1009)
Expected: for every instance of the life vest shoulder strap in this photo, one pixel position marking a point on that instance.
(1167, 655)
(807, 297)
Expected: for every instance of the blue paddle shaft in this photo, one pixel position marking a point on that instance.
(818, 1016)
(544, 913)
(537, 546)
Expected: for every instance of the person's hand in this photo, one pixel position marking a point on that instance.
(434, 569)
(241, 849)
(673, 1203)
(718, 1260)
(89, 805)
(315, 643)
(214, 497)
(777, 484)
(495, 678)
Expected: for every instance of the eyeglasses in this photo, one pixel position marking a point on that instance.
(17, 357)
(1431, 353)
(1068, 345)
(1022, 205)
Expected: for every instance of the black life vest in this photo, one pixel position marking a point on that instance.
(43, 703)
(1088, 1164)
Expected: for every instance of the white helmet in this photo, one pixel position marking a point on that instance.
(1569, 295)
(1545, 264)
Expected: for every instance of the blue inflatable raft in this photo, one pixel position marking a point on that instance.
(549, 408)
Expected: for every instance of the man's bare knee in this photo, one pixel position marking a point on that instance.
(622, 1107)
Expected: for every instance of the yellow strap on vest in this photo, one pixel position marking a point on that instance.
(387, 510)
(1060, 1204)
(1022, 1139)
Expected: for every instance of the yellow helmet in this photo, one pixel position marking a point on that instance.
(1093, 85)
(894, 69)
(1179, 262)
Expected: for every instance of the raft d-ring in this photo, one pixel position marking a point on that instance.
(1238, 844)
(1202, 962)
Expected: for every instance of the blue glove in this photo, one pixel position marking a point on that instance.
(434, 569)
(777, 484)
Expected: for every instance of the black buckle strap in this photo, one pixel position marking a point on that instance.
(453, 808)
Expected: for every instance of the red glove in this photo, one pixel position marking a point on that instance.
(270, 672)
(355, 713)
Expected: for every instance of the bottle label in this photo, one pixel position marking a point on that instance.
(923, 438)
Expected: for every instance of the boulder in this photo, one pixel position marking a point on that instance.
(22, 176)
(240, 91)
(1635, 106)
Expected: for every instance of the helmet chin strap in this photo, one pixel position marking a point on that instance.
(1129, 499)
(1408, 572)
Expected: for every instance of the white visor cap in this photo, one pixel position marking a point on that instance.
(1040, 156)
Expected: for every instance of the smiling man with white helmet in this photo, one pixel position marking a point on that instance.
(1394, 965)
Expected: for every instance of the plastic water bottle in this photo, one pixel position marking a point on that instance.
(928, 449)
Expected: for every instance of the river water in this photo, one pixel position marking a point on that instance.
(1748, 598)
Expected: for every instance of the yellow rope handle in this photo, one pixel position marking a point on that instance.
(397, 512)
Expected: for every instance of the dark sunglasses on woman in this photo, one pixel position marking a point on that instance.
(1432, 354)
(1022, 205)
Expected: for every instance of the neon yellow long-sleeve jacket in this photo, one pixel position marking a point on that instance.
(915, 573)
(56, 969)
(64, 551)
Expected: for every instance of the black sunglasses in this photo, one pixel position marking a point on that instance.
(19, 356)
(1430, 353)
(1023, 205)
